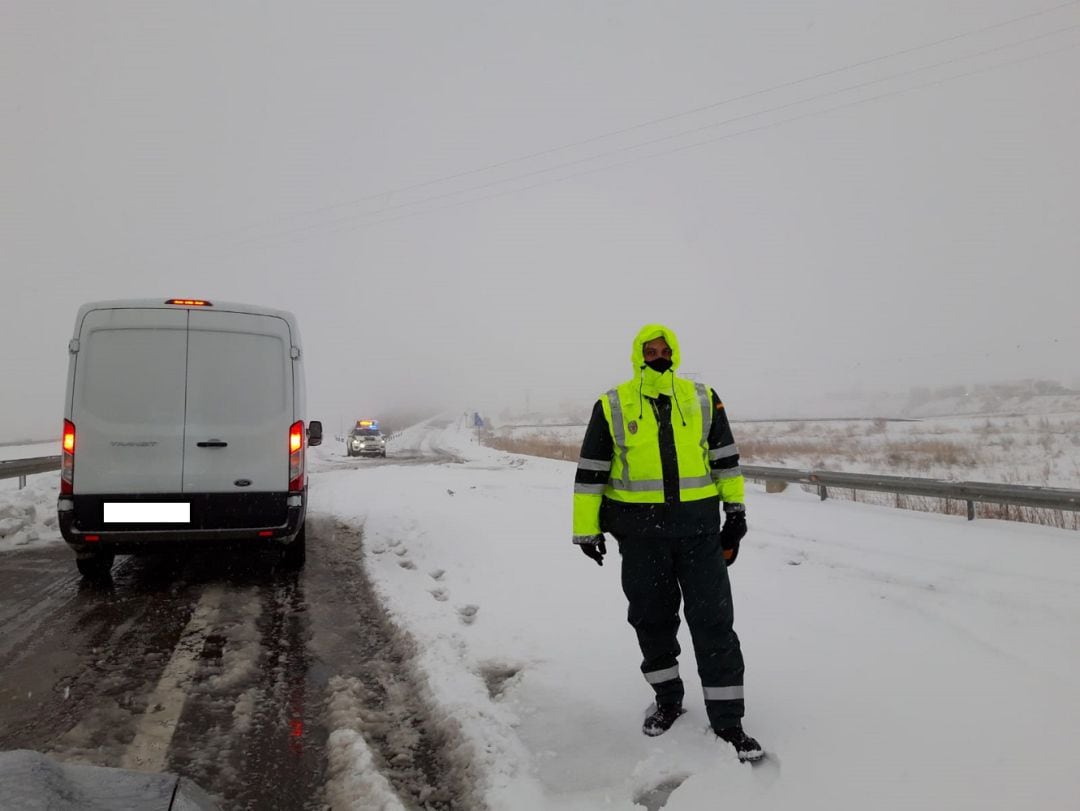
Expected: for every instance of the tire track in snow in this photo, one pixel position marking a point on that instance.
(79, 683)
(380, 706)
(251, 731)
(154, 729)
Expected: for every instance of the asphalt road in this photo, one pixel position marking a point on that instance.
(225, 669)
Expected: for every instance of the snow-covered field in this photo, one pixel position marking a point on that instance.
(1036, 449)
(894, 659)
(29, 450)
(1039, 449)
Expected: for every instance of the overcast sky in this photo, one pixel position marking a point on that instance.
(475, 204)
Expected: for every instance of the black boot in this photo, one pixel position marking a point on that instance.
(747, 748)
(661, 718)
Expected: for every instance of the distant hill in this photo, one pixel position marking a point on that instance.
(1027, 397)
(995, 403)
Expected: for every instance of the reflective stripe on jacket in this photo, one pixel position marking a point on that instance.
(637, 474)
(647, 477)
(704, 471)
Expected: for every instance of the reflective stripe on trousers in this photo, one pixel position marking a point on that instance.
(723, 693)
(661, 676)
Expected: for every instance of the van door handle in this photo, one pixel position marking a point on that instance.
(213, 443)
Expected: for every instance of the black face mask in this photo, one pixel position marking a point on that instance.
(660, 365)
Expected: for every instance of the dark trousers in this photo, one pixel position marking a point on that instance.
(656, 574)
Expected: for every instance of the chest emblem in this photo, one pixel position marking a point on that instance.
(632, 427)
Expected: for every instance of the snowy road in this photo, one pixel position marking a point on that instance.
(228, 672)
(447, 647)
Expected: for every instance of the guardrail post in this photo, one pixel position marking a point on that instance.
(971, 510)
(823, 491)
(22, 482)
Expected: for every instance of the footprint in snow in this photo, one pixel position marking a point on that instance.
(656, 797)
(467, 614)
(496, 675)
(440, 594)
(406, 564)
(437, 574)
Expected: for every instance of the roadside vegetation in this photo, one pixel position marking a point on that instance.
(1038, 450)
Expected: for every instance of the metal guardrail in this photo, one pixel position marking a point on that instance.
(1049, 498)
(28, 467)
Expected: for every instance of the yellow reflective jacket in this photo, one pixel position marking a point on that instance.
(622, 459)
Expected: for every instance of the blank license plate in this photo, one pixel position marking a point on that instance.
(147, 513)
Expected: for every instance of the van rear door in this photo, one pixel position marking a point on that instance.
(239, 403)
(128, 401)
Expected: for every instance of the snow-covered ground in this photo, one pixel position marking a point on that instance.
(28, 516)
(894, 659)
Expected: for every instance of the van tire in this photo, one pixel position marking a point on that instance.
(97, 567)
(294, 554)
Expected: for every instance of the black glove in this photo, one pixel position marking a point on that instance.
(594, 549)
(731, 533)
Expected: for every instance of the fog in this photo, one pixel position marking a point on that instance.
(476, 205)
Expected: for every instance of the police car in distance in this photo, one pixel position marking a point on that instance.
(365, 439)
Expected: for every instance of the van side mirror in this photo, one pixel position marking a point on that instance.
(314, 433)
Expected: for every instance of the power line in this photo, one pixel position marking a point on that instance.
(714, 125)
(663, 119)
(329, 227)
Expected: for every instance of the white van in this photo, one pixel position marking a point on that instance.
(184, 422)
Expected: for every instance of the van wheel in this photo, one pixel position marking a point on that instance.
(294, 555)
(97, 567)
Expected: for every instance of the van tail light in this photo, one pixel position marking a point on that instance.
(67, 461)
(296, 457)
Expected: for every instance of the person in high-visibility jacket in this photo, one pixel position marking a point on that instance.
(657, 462)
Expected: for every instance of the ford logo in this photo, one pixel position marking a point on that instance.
(242, 482)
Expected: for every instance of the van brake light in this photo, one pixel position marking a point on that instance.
(67, 462)
(296, 457)
(189, 302)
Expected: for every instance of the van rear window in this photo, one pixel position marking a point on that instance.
(134, 375)
(237, 378)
